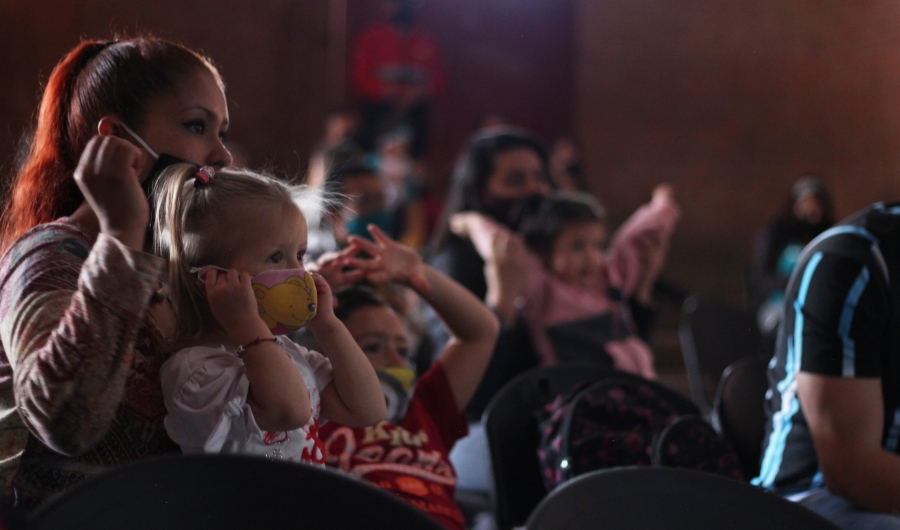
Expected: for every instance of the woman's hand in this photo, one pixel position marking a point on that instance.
(107, 175)
(233, 304)
(505, 274)
(390, 261)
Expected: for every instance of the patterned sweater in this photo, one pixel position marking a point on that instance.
(80, 359)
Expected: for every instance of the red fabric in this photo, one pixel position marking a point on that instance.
(410, 459)
(382, 50)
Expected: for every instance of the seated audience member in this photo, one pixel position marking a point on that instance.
(340, 127)
(497, 174)
(84, 321)
(408, 454)
(572, 302)
(500, 174)
(233, 241)
(403, 187)
(808, 213)
(833, 404)
(565, 165)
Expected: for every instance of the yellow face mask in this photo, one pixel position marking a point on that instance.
(286, 298)
(396, 383)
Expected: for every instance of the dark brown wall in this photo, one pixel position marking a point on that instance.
(730, 101)
(727, 100)
(272, 55)
(515, 57)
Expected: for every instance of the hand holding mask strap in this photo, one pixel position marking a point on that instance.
(287, 298)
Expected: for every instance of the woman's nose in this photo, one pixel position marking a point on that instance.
(220, 157)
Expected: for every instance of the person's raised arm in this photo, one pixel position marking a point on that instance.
(506, 261)
(473, 327)
(639, 248)
(69, 333)
(846, 419)
(354, 396)
(277, 396)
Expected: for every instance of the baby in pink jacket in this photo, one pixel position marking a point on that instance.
(573, 292)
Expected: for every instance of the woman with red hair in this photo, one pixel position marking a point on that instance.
(82, 320)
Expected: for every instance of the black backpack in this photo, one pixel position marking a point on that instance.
(625, 420)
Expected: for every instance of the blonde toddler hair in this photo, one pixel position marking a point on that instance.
(193, 224)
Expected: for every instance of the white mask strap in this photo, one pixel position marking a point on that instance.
(139, 139)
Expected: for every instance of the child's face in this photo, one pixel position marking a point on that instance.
(267, 238)
(577, 256)
(381, 335)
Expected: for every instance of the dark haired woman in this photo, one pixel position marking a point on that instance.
(81, 323)
(498, 175)
(808, 213)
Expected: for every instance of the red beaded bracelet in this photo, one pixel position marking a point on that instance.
(243, 348)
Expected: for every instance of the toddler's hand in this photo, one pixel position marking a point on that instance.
(325, 305)
(233, 304)
(391, 261)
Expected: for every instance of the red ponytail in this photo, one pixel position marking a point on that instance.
(92, 81)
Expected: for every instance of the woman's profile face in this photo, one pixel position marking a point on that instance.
(190, 123)
(518, 173)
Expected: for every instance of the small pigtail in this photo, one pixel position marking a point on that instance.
(176, 200)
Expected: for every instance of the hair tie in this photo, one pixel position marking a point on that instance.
(204, 175)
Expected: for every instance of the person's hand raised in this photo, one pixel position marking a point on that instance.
(337, 268)
(107, 175)
(233, 304)
(390, 261)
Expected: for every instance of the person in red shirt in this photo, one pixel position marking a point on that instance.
(408, 455)
(396, 70)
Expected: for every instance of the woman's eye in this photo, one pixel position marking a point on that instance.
(223, 136)
(195, 126)
(275, 258)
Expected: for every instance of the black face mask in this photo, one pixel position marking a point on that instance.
(511, 212)
(163, 160)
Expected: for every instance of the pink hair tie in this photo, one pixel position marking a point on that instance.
(204, 175)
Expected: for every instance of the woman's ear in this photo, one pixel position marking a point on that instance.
(108, 126)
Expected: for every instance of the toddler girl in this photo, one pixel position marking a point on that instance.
(575, 298)
(234, 242)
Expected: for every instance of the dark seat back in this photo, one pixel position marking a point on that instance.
(513, 436)
(713, 335)
(740, 412)
(653, 498)
(226, 493)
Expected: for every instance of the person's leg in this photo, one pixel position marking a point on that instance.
(847, 516)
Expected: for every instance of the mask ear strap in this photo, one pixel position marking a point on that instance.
(139, 140)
